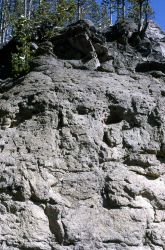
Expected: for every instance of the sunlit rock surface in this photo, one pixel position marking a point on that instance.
(82, 158)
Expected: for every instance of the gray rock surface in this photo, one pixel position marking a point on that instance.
(82, 151)
(157, 36)
(82, 160)
(154, 31)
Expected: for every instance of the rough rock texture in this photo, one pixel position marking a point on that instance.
(81, 41)
(82, 159)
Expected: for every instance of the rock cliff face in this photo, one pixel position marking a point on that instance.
(83, 156)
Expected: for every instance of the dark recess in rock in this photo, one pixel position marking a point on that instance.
(150, 66)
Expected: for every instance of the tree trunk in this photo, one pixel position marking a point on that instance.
(30, 9)
(111, 12)
(1, 20)
(118, 10)
(140, 15)
(78, 10)
(146, 11)
(25, 8)
(123, 9)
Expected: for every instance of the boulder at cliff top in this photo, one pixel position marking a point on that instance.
(122, 29)
(81, 41)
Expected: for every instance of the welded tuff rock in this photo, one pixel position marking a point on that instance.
(82, 160)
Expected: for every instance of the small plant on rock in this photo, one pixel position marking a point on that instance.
(23, 55)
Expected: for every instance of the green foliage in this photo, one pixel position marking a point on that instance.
(66, 10)
(140, 11)
(41, 24)
(24, 54)
(45, 17)
(92, 11)
(105, 19)
(42, 20)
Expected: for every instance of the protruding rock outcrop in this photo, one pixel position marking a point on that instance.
(120, 48)
(83, 42)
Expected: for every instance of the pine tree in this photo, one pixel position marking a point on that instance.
(4, 20)
(62, 12)
(105, 19)
(123, 3)
(148, 11)
(91, 10)
(141, 10)
(80, 9)
(121, 9)
(112, 5)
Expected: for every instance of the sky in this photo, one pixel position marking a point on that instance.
(159, 8)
